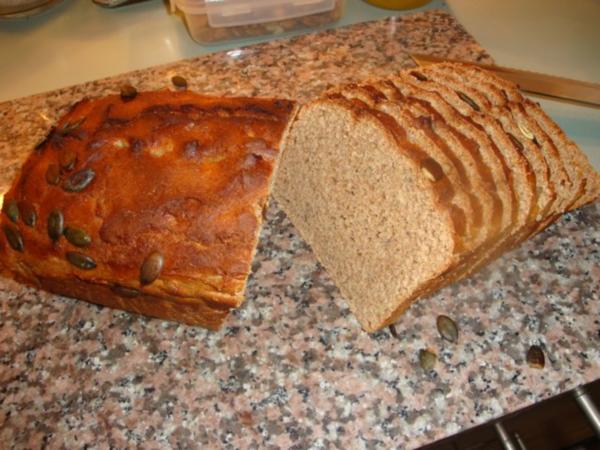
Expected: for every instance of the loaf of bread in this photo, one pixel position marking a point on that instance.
(406, 184)
(151, 203)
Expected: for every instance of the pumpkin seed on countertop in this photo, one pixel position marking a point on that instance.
(427, 359)
(535, 357)
(151, 268)
(56, 224)
(447, 328)
(77, 237)
(125, 291)
(393, 331)
(28, 213)
(465, 98)
(53, 174)
(81, 260)
(79, 180)
(179, 82)
(128, 92)
(67, 159)
(11, 209)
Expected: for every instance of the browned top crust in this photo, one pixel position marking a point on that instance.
(175, 174)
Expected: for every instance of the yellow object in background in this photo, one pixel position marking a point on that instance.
(398, 4)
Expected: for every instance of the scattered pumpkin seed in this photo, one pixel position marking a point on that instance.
(179, 82)
(393, 331)
(516, 142)
(125, 291)
(67, 159)
(447, 328)
(427, 359)
(81, 261)
(419, 76)
(79, 180)
(14, 238)
(525, 131)
(465, 98)
(11, 209)
(128, 92)
(535, 357)
(56, 224)
(77, 237)
(28, 213)
(53, 174)
(151, 268)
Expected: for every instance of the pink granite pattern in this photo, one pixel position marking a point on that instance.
(291, 368)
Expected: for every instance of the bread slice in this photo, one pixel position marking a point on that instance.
(357, 193)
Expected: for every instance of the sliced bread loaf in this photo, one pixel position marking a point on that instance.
(353, 181)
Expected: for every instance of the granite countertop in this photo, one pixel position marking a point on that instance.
(292, 368)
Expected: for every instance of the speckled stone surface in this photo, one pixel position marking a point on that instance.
(291, 368)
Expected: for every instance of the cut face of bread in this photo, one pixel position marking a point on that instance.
(351, 176)
(356, 193)
(151, 204)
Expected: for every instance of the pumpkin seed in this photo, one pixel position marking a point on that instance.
(14, 238)
(525, 131)
(53, 174)
(427, 359)
(128, 92)
(56, 224)
(179, 82)
(28, 213)
(125, 291)
(432, 169)
(79, 180)
(67, 159)
(81, 261)
(40, 145)
(151, 268)
(516, 142)
(465, 98)
(393, 331)
(447, 328)
(11, 209)
(77, 237)
(69, 127)
(535, 357)
(419, 76)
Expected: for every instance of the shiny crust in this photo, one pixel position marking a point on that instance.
(175, 172)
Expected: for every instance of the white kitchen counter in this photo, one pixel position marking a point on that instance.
(78, 41)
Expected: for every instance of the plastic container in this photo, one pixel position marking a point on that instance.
(217, 20)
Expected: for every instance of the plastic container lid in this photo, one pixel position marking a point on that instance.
(233, 13)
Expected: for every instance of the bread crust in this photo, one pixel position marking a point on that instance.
(179, 174)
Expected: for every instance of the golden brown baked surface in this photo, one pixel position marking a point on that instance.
(151, 204)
